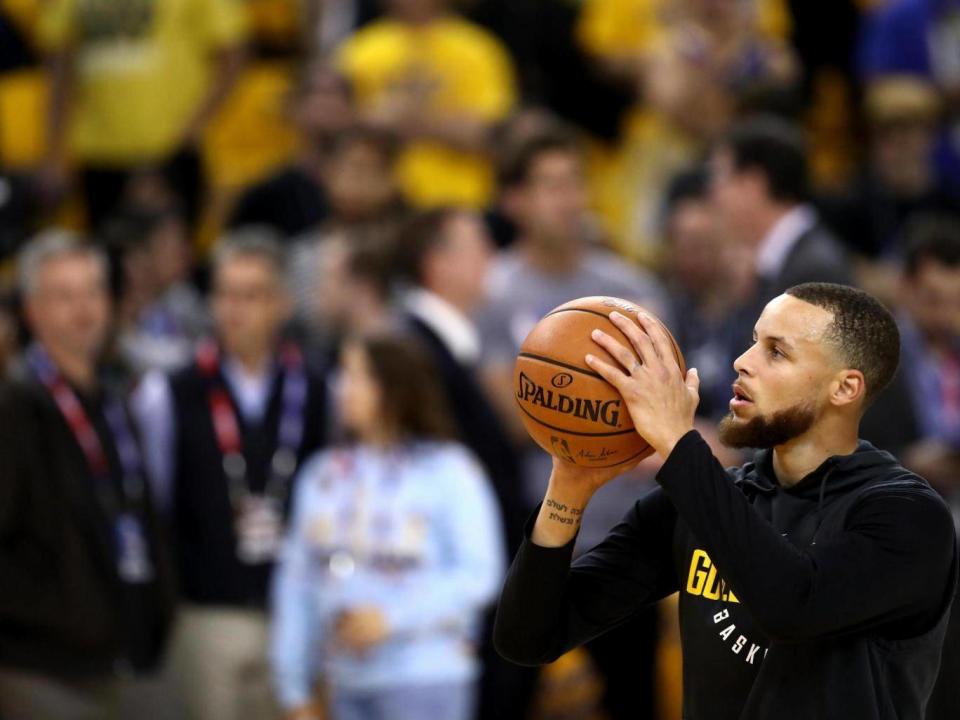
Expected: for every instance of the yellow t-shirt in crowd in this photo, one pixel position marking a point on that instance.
(462, 70)
(141, 67)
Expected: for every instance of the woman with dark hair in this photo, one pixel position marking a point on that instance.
(393, 550)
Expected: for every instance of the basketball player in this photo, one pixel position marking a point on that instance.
(814, 582)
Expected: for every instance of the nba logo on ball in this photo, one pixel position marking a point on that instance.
(568, 409)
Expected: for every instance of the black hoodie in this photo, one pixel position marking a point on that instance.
(825, 600)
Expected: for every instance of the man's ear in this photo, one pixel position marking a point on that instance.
(849, 387)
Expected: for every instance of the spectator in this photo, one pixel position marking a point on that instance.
(550, 263)
(760, 187)
(393, 551)
(925, 394)
(693, 66)
(439, 83)
(552, 260)
(899, 179)
(135, 84)
(360, 178)
(710, 282)
(226, 435)
(86, 596)
(160, 315)
(294, 200)
(445, 256)
(918, 37)
(342, 285)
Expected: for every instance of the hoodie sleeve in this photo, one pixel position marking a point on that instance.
(548, 606)
(893, 561)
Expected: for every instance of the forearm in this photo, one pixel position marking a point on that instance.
(561, 513)
(229, 64)
(60, 69)
(548, 606)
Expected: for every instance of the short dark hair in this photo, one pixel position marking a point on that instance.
(411, 394)
(931, 236)
(370, 255)
(517, 162)
(420, 235)
(690, 184)
(776, 148)
(863, 331)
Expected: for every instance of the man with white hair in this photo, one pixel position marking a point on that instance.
(84, 601)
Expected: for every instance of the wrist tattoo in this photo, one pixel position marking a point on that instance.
(563, 514)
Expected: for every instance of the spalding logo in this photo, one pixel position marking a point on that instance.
(604, 411)
(561, 380)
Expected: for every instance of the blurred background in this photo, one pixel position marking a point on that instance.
(449, 171)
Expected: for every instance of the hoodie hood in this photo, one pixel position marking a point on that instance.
(806, 502)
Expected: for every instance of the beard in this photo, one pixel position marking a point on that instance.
(767, 431)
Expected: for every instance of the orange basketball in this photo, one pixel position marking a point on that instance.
(568, 409)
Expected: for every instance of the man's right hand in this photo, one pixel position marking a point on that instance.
(568, 493)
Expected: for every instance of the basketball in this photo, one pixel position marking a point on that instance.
(568, 409)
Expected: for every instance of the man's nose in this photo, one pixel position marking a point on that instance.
(743, 363)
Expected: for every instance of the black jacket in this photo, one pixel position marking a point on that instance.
(205, 542)
(63, 608)
(825, 600)
(479, 428)
(817, 256)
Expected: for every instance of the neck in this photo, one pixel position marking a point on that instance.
(380, 437)
(551, 258)
(80, 370)
(796, 459)
(253, 361)
(424, 17)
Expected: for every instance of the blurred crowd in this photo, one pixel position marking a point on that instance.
(265, 266)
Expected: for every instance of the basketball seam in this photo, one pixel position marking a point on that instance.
(583, 310)
(571, 432)
(559, 363)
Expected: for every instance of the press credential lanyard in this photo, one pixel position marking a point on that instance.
(258, 517)
(133, 557)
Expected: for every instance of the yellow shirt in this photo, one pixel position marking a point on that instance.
(141, 67)
(463, 71)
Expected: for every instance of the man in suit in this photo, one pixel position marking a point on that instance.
(445, 255)
(86, 597)
(760, 188)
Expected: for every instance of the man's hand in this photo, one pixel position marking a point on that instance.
(360, 629)
(661, 402)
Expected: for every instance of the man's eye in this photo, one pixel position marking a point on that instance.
(775, 352)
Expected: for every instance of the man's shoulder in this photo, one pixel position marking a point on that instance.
(628, 281)
(818, 256)
(18, 391)
(820, 240)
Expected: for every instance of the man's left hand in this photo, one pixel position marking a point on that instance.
(661, 402)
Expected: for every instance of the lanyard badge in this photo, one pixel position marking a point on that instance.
(131, 548)
(258, 517)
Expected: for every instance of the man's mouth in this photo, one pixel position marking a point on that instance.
(740, 397)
